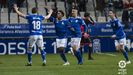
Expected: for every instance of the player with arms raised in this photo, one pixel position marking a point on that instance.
(35, 28)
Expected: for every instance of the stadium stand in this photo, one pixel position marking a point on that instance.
(28, 4)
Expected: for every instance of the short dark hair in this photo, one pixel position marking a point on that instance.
(61, 12)
(113, 11)
(86, 14)
(34, 10)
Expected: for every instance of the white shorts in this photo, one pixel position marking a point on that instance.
(35, 39)
(75, 42)
(120, 42)
(61, 42)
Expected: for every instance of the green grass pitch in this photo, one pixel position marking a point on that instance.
(104, 64)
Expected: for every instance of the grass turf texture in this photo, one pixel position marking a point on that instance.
(102, 65)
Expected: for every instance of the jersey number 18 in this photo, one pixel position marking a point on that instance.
(36, 25)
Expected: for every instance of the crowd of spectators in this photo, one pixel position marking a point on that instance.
(3, 4)
(9, 4)
(127, 15)
(126, 6)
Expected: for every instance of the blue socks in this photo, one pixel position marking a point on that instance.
(125, 47)
(78, 56)
(125, 55)
(29, 52)
(67, 49)
(62, 55)
(81, 51)
(43, 54)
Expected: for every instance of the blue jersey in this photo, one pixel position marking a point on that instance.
(76, 23)
(61, 27)
(117, 28)
(35, 24)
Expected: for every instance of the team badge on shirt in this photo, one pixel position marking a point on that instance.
(76, 21)
(62, 23)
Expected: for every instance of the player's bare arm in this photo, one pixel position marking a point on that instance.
(18, 12)
(49, 13)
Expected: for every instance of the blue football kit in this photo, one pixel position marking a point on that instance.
(61, 27)
(35, 24)
(120, 35)
(35, 28)
(117, 29)
(76, 23)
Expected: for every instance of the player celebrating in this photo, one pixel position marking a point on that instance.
(119, 34)
(35, 28)
(76, 34)
(61, 31)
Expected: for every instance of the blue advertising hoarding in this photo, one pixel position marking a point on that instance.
(19, 46)
(14, 37)
(22, 30)
(104, 29)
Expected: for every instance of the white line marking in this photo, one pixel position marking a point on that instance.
(107, 54)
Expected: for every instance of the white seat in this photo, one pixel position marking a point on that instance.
(13, 18)
(4, 17)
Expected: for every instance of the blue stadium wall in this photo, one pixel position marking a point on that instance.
(14, 37)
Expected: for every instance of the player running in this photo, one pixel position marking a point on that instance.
(61, 27)
(76, 34)
(119, 35)
(35, 28)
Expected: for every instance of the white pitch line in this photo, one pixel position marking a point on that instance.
(107, 54)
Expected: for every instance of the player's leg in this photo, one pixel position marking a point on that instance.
(81, 49)
(75, 43)
(82, 45)
(90, 49)
(31, 43)
(61, 45)
(117, 46)
(68, 49)
(126, 48)
(122, 43)
(40, 46)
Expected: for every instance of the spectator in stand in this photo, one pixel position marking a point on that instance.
(127, 15)
(100, 5)
(82, 5)
(69, 5)
(11, 2)
(20, 3)
(2, 5)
